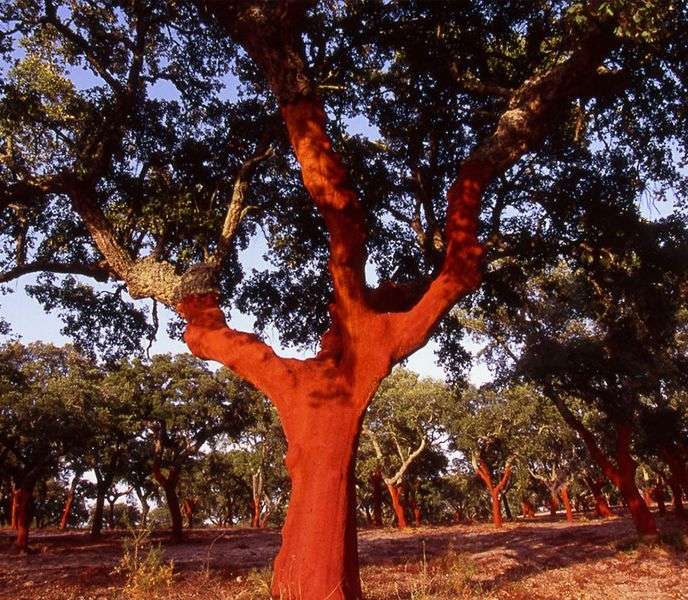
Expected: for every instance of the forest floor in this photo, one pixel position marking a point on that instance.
(526, 560)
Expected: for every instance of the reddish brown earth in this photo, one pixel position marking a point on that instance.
(533, 560)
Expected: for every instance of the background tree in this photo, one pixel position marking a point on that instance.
(180, 406)
(399, 427)
(42, 392)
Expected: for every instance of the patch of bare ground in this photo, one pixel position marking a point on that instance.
(534, 560)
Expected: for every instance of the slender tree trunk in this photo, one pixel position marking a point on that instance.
(97, 524)
(496, 508)
(643, 519)
(14, 511)
(319, 557)
(647, 495)
(507, 508)
(676, 494)
(111, 514)
(255, 513)
(145, 507)
(376, 485)
(414, 505)
(527, 509)
(601, 505)
(567, 503)
(172, 501)
(678, 482)
(169, 486)
(23, 509)
(553, 504)
(188, 507)
(622, 475)
(67, 510)
(397, 496)
(69, 501)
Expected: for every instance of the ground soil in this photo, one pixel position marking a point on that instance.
(526, 560)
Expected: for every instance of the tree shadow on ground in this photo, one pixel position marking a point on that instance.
(516, 551)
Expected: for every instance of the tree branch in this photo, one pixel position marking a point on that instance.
(98, 272)
(532, 108)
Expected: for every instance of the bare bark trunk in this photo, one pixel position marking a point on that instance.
(376, 485)
(507, 508)
(601, 505)
(496, 508)
(97, 524)
(319, 557)
(23, 509)
(397, 496)
(567, 503)
(527, 509)
(643, 519)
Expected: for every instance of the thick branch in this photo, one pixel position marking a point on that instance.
(532, 109)
(270, 34)
(96, 271)
(237, 205)
(396, 478)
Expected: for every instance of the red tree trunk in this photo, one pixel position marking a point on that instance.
(553, 505)
(22, 503)
(396, 493)
(376, 485)
(67, 510)
(172, 501)
(496, 508)
(189, 506)
(643, 519)
(319, 554)
(567, 503)
(601, 505)
(255, 513)
(14, 517)
(527, 509)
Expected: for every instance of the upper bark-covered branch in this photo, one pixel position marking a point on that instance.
(530, 113)
(270, 34)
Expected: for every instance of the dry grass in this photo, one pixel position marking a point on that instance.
(538, 560)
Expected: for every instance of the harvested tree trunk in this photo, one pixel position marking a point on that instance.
(553, 504)
(483, 471)
(602, 508)
(527, 509)
(376, 485)
(69, 503)
(622, 475)
(643, 519)
(188, 508)
(415, 506)
(22, 503)
(567, 503)
(396, 492)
